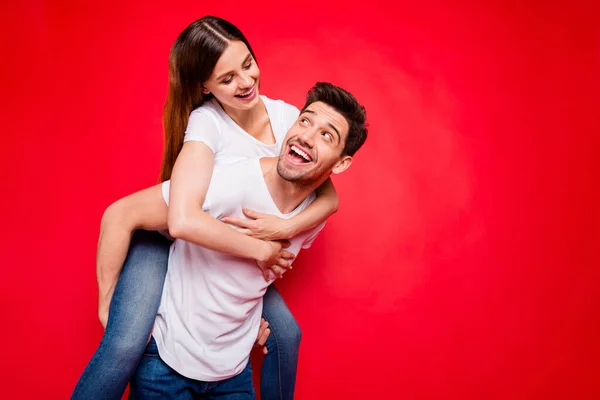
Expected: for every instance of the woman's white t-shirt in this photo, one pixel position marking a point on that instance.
(210, 125)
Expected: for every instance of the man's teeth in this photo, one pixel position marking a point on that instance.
(301, 153)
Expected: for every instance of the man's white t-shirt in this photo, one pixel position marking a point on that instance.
(211, 303)
(212, 126)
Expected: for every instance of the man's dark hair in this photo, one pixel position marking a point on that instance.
(346, 104)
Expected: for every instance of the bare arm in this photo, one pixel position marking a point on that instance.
(271, 227)
(145, 209)
(326, 204)
(186, 219)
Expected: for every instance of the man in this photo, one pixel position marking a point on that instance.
(211, 303)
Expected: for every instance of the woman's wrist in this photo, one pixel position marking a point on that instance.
(291, 228)
(265, 252)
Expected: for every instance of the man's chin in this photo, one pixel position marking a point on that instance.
(289, 174)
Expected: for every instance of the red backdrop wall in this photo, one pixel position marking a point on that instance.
(462, 263)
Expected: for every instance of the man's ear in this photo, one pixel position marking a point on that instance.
(342, 165)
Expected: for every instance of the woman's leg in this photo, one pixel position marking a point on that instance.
(278, 374)
(132, 312)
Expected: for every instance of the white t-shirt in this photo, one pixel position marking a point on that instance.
(212, 126)
(211, 303)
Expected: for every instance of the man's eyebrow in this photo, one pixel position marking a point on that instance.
(231, 72)
(309, 111)
(336, 131)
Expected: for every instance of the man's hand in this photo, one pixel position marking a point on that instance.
(262, 226)
(263, 334)
(275, 259)
(104, 304)
(103, 315)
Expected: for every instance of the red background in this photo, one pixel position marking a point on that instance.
(462, 263)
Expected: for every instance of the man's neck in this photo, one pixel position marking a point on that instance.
(286, 195)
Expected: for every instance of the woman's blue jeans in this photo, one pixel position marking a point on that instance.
(133, 310)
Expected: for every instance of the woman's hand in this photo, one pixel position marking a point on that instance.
(275, 260)
(263, 226)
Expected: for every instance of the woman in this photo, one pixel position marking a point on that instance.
(213, 114)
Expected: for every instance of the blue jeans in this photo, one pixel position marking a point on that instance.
(154, 379)
(133, 310)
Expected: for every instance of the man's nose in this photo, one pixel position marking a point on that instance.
(308, 136)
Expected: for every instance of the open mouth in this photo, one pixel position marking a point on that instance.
(298, 155)
(247, 95)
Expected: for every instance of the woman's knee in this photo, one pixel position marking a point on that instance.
(281, 321)
(123, 350)
(288, 334)
(294, 332)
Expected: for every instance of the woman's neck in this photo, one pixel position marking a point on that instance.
(254, 122)
(247, 119)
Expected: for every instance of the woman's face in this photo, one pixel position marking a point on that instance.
(234, 81)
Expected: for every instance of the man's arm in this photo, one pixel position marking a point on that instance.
(145, 209)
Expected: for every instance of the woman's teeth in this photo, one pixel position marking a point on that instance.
(247, 94)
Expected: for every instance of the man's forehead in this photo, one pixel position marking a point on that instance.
(329, 114)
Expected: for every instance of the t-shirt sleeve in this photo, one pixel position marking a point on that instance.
(313, 235)
(166, 185)
(203, 128)
(290, 115)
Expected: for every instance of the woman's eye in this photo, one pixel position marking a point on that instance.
(228, 80)
(247, 66)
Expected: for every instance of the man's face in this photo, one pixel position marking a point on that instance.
(313, 145)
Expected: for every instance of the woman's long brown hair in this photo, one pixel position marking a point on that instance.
(191, 62)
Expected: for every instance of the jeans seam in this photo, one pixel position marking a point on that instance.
(278, 364)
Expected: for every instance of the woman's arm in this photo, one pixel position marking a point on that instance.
(271, 227)
(326, 204)
(145, 209)
(186, 219)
